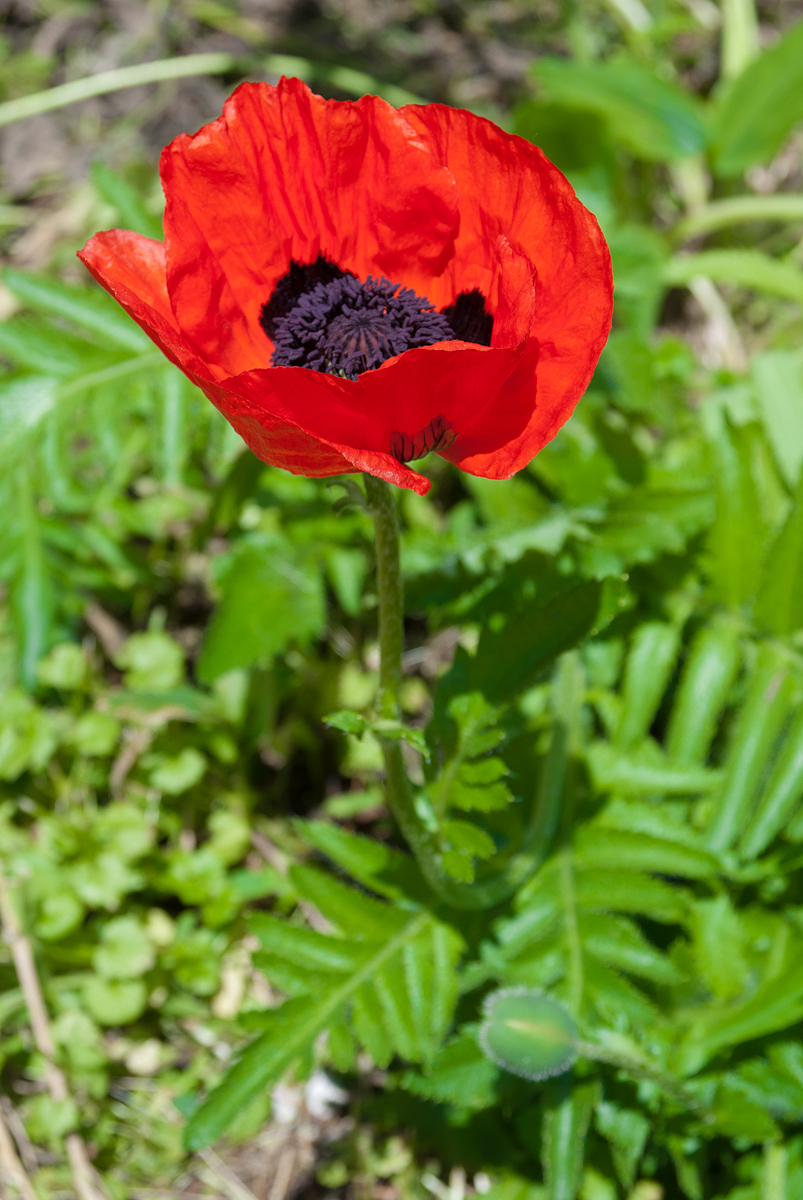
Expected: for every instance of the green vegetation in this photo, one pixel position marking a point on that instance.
(603, 694)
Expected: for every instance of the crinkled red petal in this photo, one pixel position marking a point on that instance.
(437, 199)
(284, 174)
(131, 268)
(524, 212)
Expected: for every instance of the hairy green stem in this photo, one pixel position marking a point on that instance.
(641, 1070)
(382, 506)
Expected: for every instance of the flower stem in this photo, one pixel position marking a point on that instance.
(382, 507)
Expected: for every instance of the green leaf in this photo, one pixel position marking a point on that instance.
(527, 1033)
(746, 268)
(514, 658)
(468, 838)
(24, 404)
(720, 940)
(618, 942)
(776, 1005)
(649, 665)
(566, 1120)
(90, 309)
(755, 114)
(115, 1001)
(779, 603)
(627, 1131)
(655, 119)
(32, 594)
(706, 680)
(43, 347)
(401, 997)
(117, 192)
(460, 1074)
(645, 523)
(646, 774)
(780, 797)
(621, 850)
(376, 865)
(152, 661)
(778, 382)
(268, 600)
(382, 727)
(124, 951)
(177, 774)
(752, 740)
(350, 910)
(630, 892)
(738, 538)
(638, 254)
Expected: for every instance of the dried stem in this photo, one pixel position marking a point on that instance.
(81, 1168)
(11, 1167)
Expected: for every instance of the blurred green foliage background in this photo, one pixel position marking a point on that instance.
(614, 636)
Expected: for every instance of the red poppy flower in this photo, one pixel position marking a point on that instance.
(354, 285)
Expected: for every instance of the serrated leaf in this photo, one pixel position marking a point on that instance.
(619, 943)
(720, 941)
(650, 661)
(705, 682)
(641, 775)
(346, 721)
(618, 850)
(778, 381)
(381, 1011)
(567, 1116)
(353, 912)
(381, 727)
(377, 866)
(738, 537)
(460, 1074)
(627, 1131)
(630, 892)
(469, 838)
(776, 1005)
(306, 947)
(779, 603)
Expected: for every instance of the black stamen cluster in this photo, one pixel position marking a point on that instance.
(345, 327)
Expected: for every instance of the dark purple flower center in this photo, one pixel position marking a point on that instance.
(325, 319)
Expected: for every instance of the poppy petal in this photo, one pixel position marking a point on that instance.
(276, 438)
(131, 268)
(282, 175)
(553, 278)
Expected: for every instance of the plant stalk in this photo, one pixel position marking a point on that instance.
(382, 506)
(485, 894)
(81, 1170)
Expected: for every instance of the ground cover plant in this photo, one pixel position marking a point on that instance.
(601, 695)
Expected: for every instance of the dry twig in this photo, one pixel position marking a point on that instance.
(83, 1175)
(10, 1166)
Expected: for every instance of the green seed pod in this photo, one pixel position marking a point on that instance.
(527, 1033)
